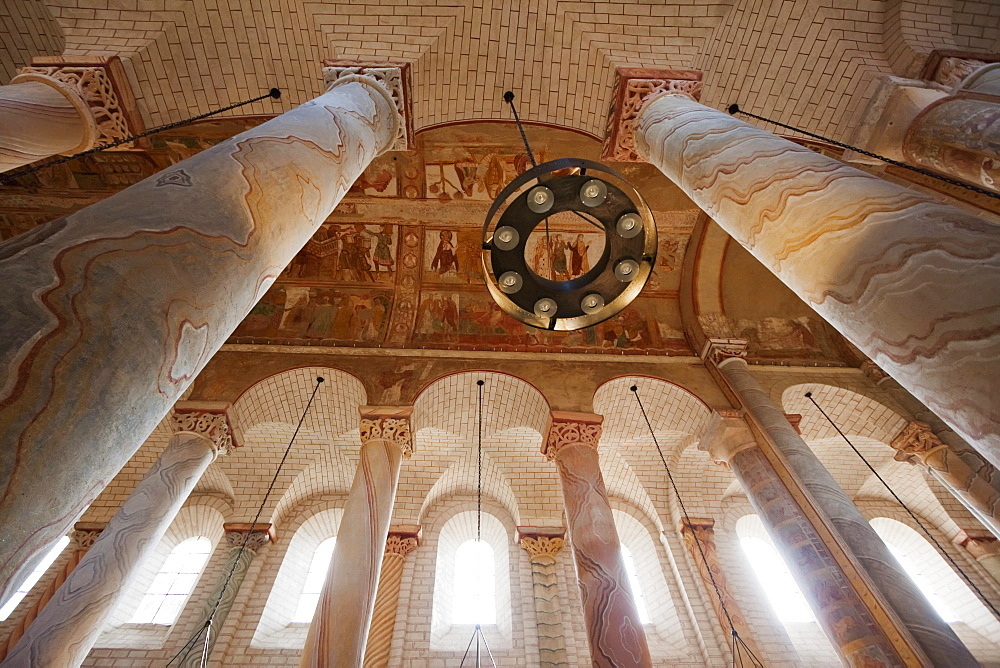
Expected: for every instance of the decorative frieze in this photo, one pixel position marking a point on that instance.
(210, 419)
(394, 77)
(632, 88)
(568, 428)
(914, 442)
(387, 423)
(718, 350)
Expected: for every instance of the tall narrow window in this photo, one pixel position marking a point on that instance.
(174, 583)
(633, 581)
(785, 597)
(36, 574)
(475, 584)
(314, 581)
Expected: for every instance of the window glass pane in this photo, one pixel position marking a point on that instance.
(35, 576)
(315, 578)
(174, 583)
(475, 584)
(633, 581)
(785, 597)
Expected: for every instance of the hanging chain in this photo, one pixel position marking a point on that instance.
(906, 508)
(508, 97)
(738, 642)
(734, 109)
(206, 628)
(274, 93)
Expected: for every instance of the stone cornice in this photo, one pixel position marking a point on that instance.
(569, 428)
(211, 419)
(387, 423)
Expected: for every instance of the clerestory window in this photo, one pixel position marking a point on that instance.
(171, 587)
(475, 584)
(315, 578)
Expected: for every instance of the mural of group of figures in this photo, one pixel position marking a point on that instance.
(293, 312)
(351, 253)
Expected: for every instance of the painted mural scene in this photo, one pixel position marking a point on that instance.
(628, 334)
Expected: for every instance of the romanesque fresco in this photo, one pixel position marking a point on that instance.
(804, 337)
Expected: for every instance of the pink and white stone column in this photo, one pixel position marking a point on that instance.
(339, 629)
(614, 632)
(69, 625)
(914, 283)
(109, 313)
(402, 540)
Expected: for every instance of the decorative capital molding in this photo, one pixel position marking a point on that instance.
(260, 534)
(210, 419)
(914, 442)
(387, 423)
(873, 372)
(542, 547)
(400, 545)
(633, 87)
(568, 428)
(103, 87)
(979, 542)
(951, 67)
(724, 436)
(697, 524)
(717, 351)
(795, 420)
(85, 534)
(394, 77)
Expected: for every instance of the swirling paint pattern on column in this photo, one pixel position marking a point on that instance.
(914, 283)
(387, 601)
(548, 608)
(113, 310)
(42, 117)
(67, 628)
(614, 631)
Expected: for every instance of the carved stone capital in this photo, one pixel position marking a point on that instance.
(697, 524)
(951, 67)
(724, 436)
(873, 372)
(400, 545)
(387, 423)
(978, 542)
(101, 85)
(393, 77)
(632, 88)
(208, 418)
(542, 547)
(568, 428)
(84, 534)
(914, 442)
(717, 351)
(260, 534)
(795, 419)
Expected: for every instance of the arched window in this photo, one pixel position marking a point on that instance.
(314, 581)
(475, 584)
(35, 576)
(633, 581)
(174, 583)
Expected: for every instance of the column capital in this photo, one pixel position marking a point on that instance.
(387, 423)
(567, 428)
(84, 534)
(632, 88)
(718, 351)
(696, 524)
(979, 542)
(101, 88)
(403, 539)
(950, 67)
(914, 442)
(541, 542)
(212, 419)
(260, 534)
(726, 434)
(873, 372)
(795, 419)
(393, 77)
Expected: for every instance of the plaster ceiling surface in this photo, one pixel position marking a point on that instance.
(809, 62)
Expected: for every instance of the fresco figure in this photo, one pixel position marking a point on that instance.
(321, 322)
(578, 253)
(540, 263)
(445, 260)
(383, 250)
(560, 269)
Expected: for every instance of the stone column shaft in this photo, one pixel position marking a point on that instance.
(237, 563)
(959, 136)
(916, 621)
(701, 532)
(399, 544)
(131, 297)
(67, 628)
(542, 550)
(339, 629)
(913, 283)
(614, 632)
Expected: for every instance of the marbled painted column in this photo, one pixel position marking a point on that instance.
(339, 629)
(984, 547)
(848, 623)
(912, 616)
(110, 312)
(81, 540)
(400, 543)
(913, 283)
(701, 532)
(983, 81)
(963, 470)
(958, 136)
(542, 549)
(614, 632)
(238, 564)
(67, 628)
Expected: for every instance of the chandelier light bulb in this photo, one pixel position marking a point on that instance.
(592, 303)
(626, 270)
(629, 225)
(540, 199)
(594, 192)
(545, 308)
(511, 282)
(506, 238)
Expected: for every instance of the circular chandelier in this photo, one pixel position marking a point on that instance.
(600, 197)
